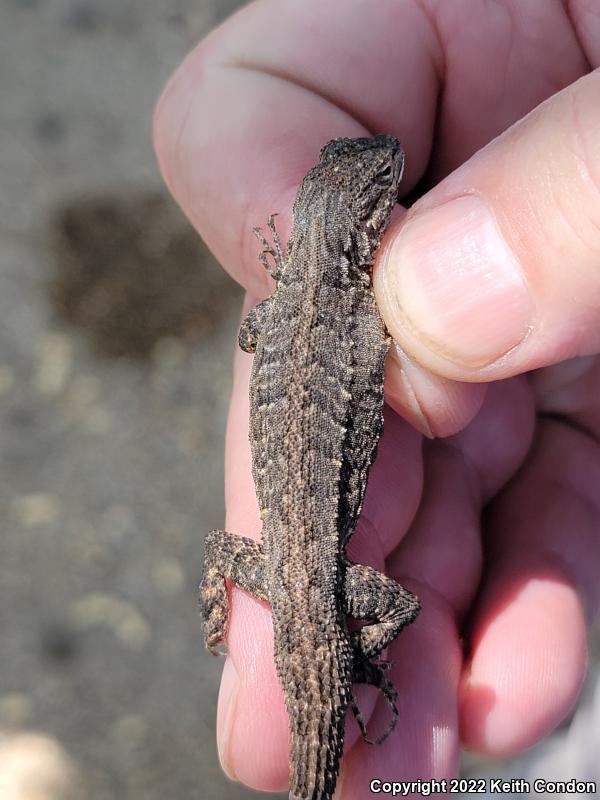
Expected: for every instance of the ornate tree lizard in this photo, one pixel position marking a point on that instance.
(316, 415)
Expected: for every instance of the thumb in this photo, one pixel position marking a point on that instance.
(497, 270)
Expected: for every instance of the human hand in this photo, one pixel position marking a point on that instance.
(490, 286)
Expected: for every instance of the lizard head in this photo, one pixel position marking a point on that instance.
(363, 175)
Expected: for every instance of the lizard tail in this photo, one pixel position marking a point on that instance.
(317, 713)
(318, 749)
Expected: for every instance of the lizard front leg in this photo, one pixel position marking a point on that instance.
(253, 324)
(241, 560)
(276, 253)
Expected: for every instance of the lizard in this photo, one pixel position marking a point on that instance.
(316, 415)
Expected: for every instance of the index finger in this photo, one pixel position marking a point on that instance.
(245, 115)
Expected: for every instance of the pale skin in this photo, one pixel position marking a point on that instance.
(490, 286)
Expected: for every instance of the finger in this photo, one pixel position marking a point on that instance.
(442, 553)
(495, 272)
(529, 636)
(245, 115)
(252, 724)
(440, 561)
(435, 492)
(498, 440)
(443, 548)
(586, 25)
(393, 493)
(433, 405)
(496, 71)
(571, 389)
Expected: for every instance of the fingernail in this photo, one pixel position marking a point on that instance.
(457, 285)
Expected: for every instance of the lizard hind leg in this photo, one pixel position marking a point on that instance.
(373, 674)
(241, 560)
(274, 251)
(368, 594)
(371, 595)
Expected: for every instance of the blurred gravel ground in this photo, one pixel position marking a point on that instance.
(116, 331)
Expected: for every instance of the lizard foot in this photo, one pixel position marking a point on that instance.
(374, 675)
(241, 560)
(212, 598)
(275, 252)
